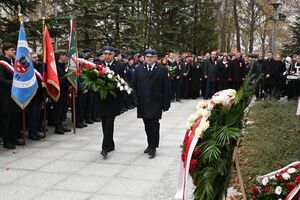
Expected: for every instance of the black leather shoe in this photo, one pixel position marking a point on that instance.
(19, 142)
(39, 135)
(65, 129)
(104, 153)
(96, 120)
(152, 153)
(111, 149)
(84, 124)
(59, 131)
(33, 137)
(89, 121)
(79, 125)
(147, 150)
(9, 146)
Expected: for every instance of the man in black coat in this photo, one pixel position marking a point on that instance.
(153, 94)
(256, 69)
(270, 71)
(60, 107)
(9, 110)
(111, 106)
(238, 71)
(210, 74)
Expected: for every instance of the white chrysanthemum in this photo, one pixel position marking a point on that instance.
(121, 88)
(122, 81)
(126, 87)
(272, 177)
(95, 70)
(278, 190)
(199, 113)
(201, 104)
(118, 76)
(231, 92)
(291, 170)
(112, 72)
(109, 76)
(201, 128)
(218, 99)
(189, 125)
(129, 91)
(206, 113)
(286, 176)
(119, 85)
(265, 181)
(192, 118)
(107, 70)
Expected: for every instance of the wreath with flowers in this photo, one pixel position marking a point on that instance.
(212, 133)
(280, 184)
(100, 79)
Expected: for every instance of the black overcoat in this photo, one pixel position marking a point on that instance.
(153, 91)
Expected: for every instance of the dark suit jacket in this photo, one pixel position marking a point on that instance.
(211, 71)
(270, 67)
(111, 106)
(7, 104)
(153, 91)
(238, 70)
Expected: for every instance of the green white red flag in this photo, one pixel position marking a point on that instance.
(73, 55)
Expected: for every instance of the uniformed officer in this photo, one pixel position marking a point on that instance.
(153, 94)
(110, 107)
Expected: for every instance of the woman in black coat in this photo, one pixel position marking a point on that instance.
(224, 73)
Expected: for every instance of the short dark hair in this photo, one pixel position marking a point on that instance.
(57, 54)
(6, 46)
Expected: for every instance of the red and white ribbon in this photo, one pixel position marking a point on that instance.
(10, 68)
(223, 97)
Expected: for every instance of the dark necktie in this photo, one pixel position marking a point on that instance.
(149, 68)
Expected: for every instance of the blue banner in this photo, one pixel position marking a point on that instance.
(24, 81)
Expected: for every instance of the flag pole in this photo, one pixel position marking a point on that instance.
(44, 106)
(74, 110)
(23, 111)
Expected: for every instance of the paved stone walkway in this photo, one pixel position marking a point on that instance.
(69, 167)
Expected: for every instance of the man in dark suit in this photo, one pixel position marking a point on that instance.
(238, 71)
(210, 74)
(9, 110)
(153, 94)
(270, 73)
(111, 106)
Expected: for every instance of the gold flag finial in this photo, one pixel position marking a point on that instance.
(20, 14)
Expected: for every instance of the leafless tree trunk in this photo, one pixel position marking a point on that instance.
(252, 25)
(237, 26)
(224, 30)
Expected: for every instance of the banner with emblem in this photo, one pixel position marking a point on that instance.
(73, 55)
(24, 84)
(50, 78)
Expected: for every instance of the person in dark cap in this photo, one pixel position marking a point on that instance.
(60, 107)
(110, 107)
(153, 96)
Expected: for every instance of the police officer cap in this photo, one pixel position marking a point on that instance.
(150, 52)
(86, 50)
(99, 53)
(108, 49)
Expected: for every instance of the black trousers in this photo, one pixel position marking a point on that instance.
(152, 131)
(59, 111)
(108, 132)
(9, 126)
(89, 105)
(80, 107)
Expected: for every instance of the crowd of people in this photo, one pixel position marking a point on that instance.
(189, 77)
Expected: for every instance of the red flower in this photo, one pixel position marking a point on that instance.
(196, 152)
(74, 73)
(279, 178)
(290, 186)
(231, 101)
(267, 189)
(79, 70)
(193, 165)
(297, 180)
(88, 67)
(101, 72)
(255, 190)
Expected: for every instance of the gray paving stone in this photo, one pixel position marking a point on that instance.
(119, 158)
(82, 183)
(63, 166)
(126, 187)
(40, 179)
(83, 156)
(50, 154)
(101, 169)
(63, 195)
(142, 173)
(17, 192)
(10, 175)
(28, 163)
(111, 197)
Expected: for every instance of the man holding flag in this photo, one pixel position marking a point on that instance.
(9, 110)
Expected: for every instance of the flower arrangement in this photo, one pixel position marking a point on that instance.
(212, 133)
(281, 184)
(172, 70)
(101, 79)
